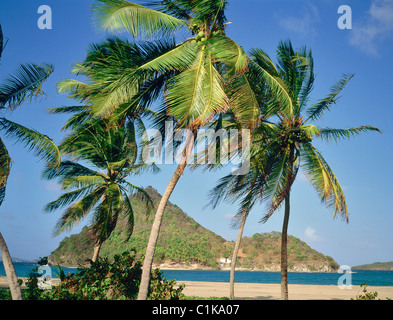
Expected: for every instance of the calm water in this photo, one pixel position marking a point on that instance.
(24, 268)
(372, 278)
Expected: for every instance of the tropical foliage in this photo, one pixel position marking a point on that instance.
(201, 67)
(206, 80)
(281, 147)
(25, 84)
(102, 188)
(106, 280)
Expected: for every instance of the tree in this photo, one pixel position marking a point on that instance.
(291, 140)
(248, 189)
(25, 84)
(102, 189)
(280, 148)
(202, 65)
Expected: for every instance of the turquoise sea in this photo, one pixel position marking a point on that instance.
(372, 278)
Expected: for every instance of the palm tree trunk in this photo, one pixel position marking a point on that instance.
(234, 256)
(16, 292)
(96, 252)
(151, 246)
(284, 252)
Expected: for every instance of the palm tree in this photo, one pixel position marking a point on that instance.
(203, 67)
(292, 136)
(25, 84)
(247, 189)
(280, 149)
(102, 189)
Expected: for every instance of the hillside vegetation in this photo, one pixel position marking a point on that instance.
(376, 266)
(185, 244)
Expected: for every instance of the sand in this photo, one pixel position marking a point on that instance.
(261, 291)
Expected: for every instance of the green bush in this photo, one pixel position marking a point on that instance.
(117, 280)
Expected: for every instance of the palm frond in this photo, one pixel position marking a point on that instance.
(177, 58)
(1, 41)
(230, 53)
(67, 169)
(82, 182)
(281, 100)
(67, 199)
(5, 168)
(141, 194)
(129, 213)
(324, 181)
(107, 212)
(278, 183)
(5, 164)
(77, 211)
(339, 134)
(140, 21)
(26, 83)
(243, 101)
(40, 144)
(316, 110)
(196, 93)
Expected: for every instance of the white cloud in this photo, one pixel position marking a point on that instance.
(52, 186)
(370, 31)
(229, 216)
(303, 23)
(311, 235)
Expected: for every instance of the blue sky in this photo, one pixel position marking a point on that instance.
(363, 165)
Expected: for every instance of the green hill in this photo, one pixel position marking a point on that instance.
(185, 244)
(375, 266)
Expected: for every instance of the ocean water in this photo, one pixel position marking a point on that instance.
(24, 268)
(372, 278)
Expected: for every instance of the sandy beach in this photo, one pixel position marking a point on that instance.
(262, 291)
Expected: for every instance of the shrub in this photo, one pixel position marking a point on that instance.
(162, 289)
(117, 280)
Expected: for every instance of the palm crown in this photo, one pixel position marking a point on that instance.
(100, 185)
(291, 137)
(199, 72)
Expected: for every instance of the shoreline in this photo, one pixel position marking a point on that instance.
(270, 291)
(267, 291)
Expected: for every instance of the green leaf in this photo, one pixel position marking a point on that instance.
(76, 211)
(323, 179)
(316, 110)
(338, 134)
(228, 52)
(197, 93)
(5, 167)
(40, 144)
(281, 101)
(310, 130)
(140, 21)
(26, 83)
